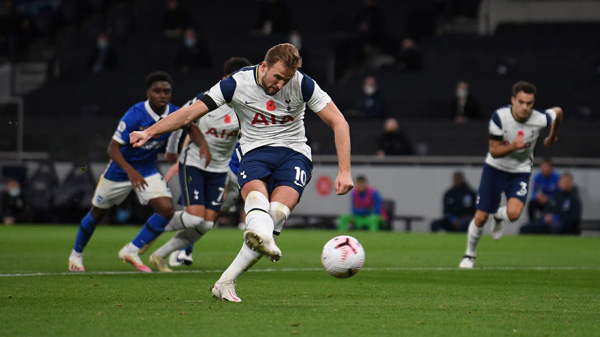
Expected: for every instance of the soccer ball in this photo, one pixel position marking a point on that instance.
(343, 256)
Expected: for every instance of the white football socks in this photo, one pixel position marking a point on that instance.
(502, 214)
(257, 214)
(279, 213)
(473, 236)
(245, 259)
(184, 238)
(183, 220)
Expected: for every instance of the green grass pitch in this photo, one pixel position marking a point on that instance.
(410, 286)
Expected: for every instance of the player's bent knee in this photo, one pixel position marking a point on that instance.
(256, 200)
(480, 219)
(206, 226)
(167, 214)
(98, 213)
(513, 215)
(192, 221)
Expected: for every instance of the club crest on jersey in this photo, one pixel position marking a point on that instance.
(271, 105)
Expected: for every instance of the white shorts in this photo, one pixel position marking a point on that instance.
(109, 193)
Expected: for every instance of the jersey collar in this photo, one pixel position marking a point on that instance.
(153, 114)
(256, 75)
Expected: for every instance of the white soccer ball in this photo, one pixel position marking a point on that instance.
(343, 256)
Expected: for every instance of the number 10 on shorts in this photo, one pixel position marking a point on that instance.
(300, 177)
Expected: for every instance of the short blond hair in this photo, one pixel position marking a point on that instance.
(286, 53)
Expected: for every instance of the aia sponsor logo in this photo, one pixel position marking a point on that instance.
(270, 119)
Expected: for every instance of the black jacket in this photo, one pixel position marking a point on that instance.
(459, 202)
(567, 207)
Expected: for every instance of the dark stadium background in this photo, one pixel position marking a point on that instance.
(70, 112)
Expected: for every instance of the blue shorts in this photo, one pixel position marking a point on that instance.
(277, 166)
(199, 187)
(494, 182)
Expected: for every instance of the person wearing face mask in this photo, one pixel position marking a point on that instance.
(104, 57)
(15, 208)
(372, 102)
(464, 106)
(192, 53)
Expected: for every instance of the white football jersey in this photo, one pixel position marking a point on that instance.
(220, 128)
(276, 120)
(505, 128)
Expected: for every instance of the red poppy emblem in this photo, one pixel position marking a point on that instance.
(271, 105)
(227, 119)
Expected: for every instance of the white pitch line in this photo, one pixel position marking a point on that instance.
(270, 270)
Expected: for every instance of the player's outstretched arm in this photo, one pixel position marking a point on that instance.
(553, 136)
(332, 116)
(172, 122)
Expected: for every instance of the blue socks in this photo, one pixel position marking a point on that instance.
(86, 229)
(151, 230)
(189, 249)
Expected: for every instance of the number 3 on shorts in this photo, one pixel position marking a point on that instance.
(523, 190)
(300, 177)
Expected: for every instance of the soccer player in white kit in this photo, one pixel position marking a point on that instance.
(202, 177)
(514, 130)
(270, 100)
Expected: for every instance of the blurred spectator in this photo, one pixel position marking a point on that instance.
(15, 208)
(192, 54)
(394, 141)
(459, 207)
(15, 31)
(295, 39)
(367, 208)
(372, 103)
(545, 185)
(104, 56)
(409, 57)
(273, 17)
(175, 19)
(563, 213)
(464, 105)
